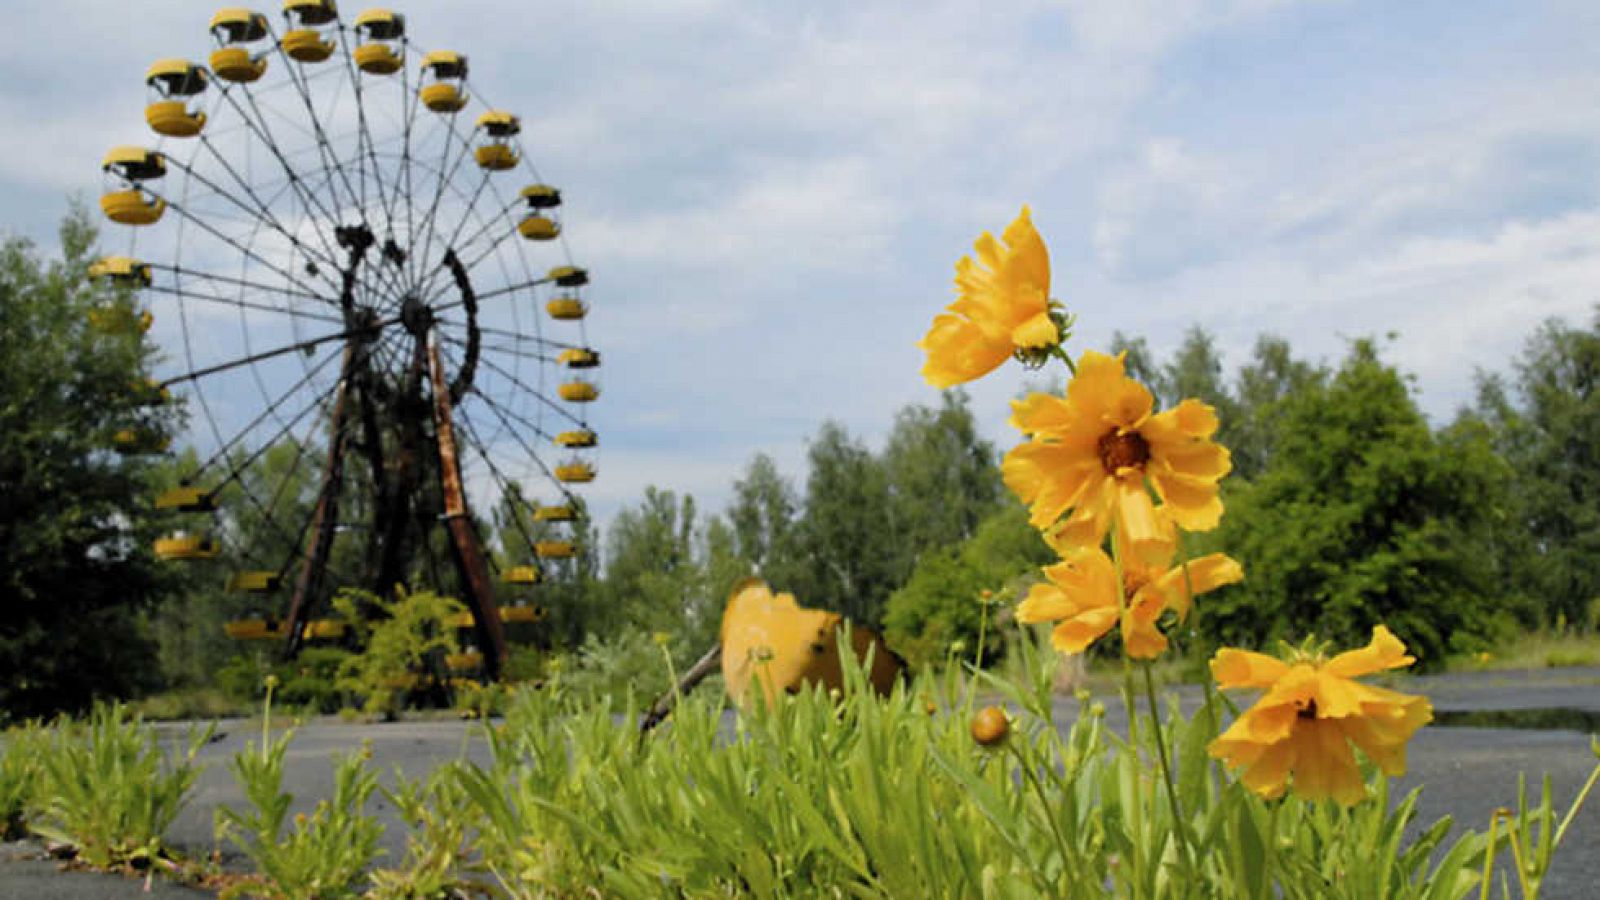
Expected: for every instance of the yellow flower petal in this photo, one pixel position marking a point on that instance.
(1191, 502)
(1002, 304)
(1385, 651)
(1049, 478)
(1304, 731)
(1241, 668)
(1182, 583)
(1074, 635)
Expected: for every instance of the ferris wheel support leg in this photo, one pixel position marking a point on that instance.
(323, 519)
(464, 545)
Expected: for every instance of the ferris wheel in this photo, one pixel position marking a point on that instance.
(358, 272)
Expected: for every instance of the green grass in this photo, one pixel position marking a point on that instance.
(191, 704)
(1533, 650)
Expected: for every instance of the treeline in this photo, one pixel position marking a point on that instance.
(1346, 507)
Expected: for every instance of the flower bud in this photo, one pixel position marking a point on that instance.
(990, 726)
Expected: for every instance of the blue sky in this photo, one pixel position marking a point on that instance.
(771, 196)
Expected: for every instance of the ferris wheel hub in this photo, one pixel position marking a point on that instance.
(416, 315)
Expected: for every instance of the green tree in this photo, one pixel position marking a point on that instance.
(851, 552)
(1272, 375)
(651, 573)
(763, 516)
(943, 478)
(938, 605)
(1362, 516)
(1550, 435)
(75, 526)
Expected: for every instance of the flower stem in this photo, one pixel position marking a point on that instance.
(1060, 352)
(1069, 861)
(1136, 815)
(1179, 823)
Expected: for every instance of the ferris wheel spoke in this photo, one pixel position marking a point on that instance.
(413, 102)
(183, 211)
(185, 294)
(524, 352)
(447, 172)
(509, 421)
(259, 210)
(509, 492)
(180, 271)
(525, 338)
(362, 134)
(472, 204)
(259, 126)
(264, 206)
(277, 351)
(271, 410)
(330, 157)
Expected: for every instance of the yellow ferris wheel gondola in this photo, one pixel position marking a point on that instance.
(173, 84)
(578, 391)
(577, 439)
(555, 549)
(443, 74)
(565, 512)
(498, 153)
(567, 308)
(312, 27)
(187, 498)
(575, 472)
(235, 28)
(579, 358)
(539, 224)
(180, 546)
(123, 270)
(568, 276)
(521, 575)
(128, 204)
(380, 42)
(254, 582)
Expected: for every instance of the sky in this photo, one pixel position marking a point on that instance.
(770, 197)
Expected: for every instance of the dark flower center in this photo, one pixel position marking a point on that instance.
(1119, 450)
(1309, 711)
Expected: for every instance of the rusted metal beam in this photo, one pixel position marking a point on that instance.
(468, 554)
(324, 517)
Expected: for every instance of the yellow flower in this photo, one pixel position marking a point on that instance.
(1081, 595)
(1004, 305)
(1093, 452)
(1303, 727)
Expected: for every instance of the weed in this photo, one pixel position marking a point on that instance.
(108, 789)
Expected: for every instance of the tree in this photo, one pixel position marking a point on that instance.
(938, 605)
(75, 528)
(651, 573)
(850, 547)
(1272, 375)
(1362, 516)
(943, 478)
(763, 516)
(1550, 435)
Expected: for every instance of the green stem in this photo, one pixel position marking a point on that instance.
(1069, 860)
(983, 621)
(1179, 823)
(1136, 815)
(1060, 352)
